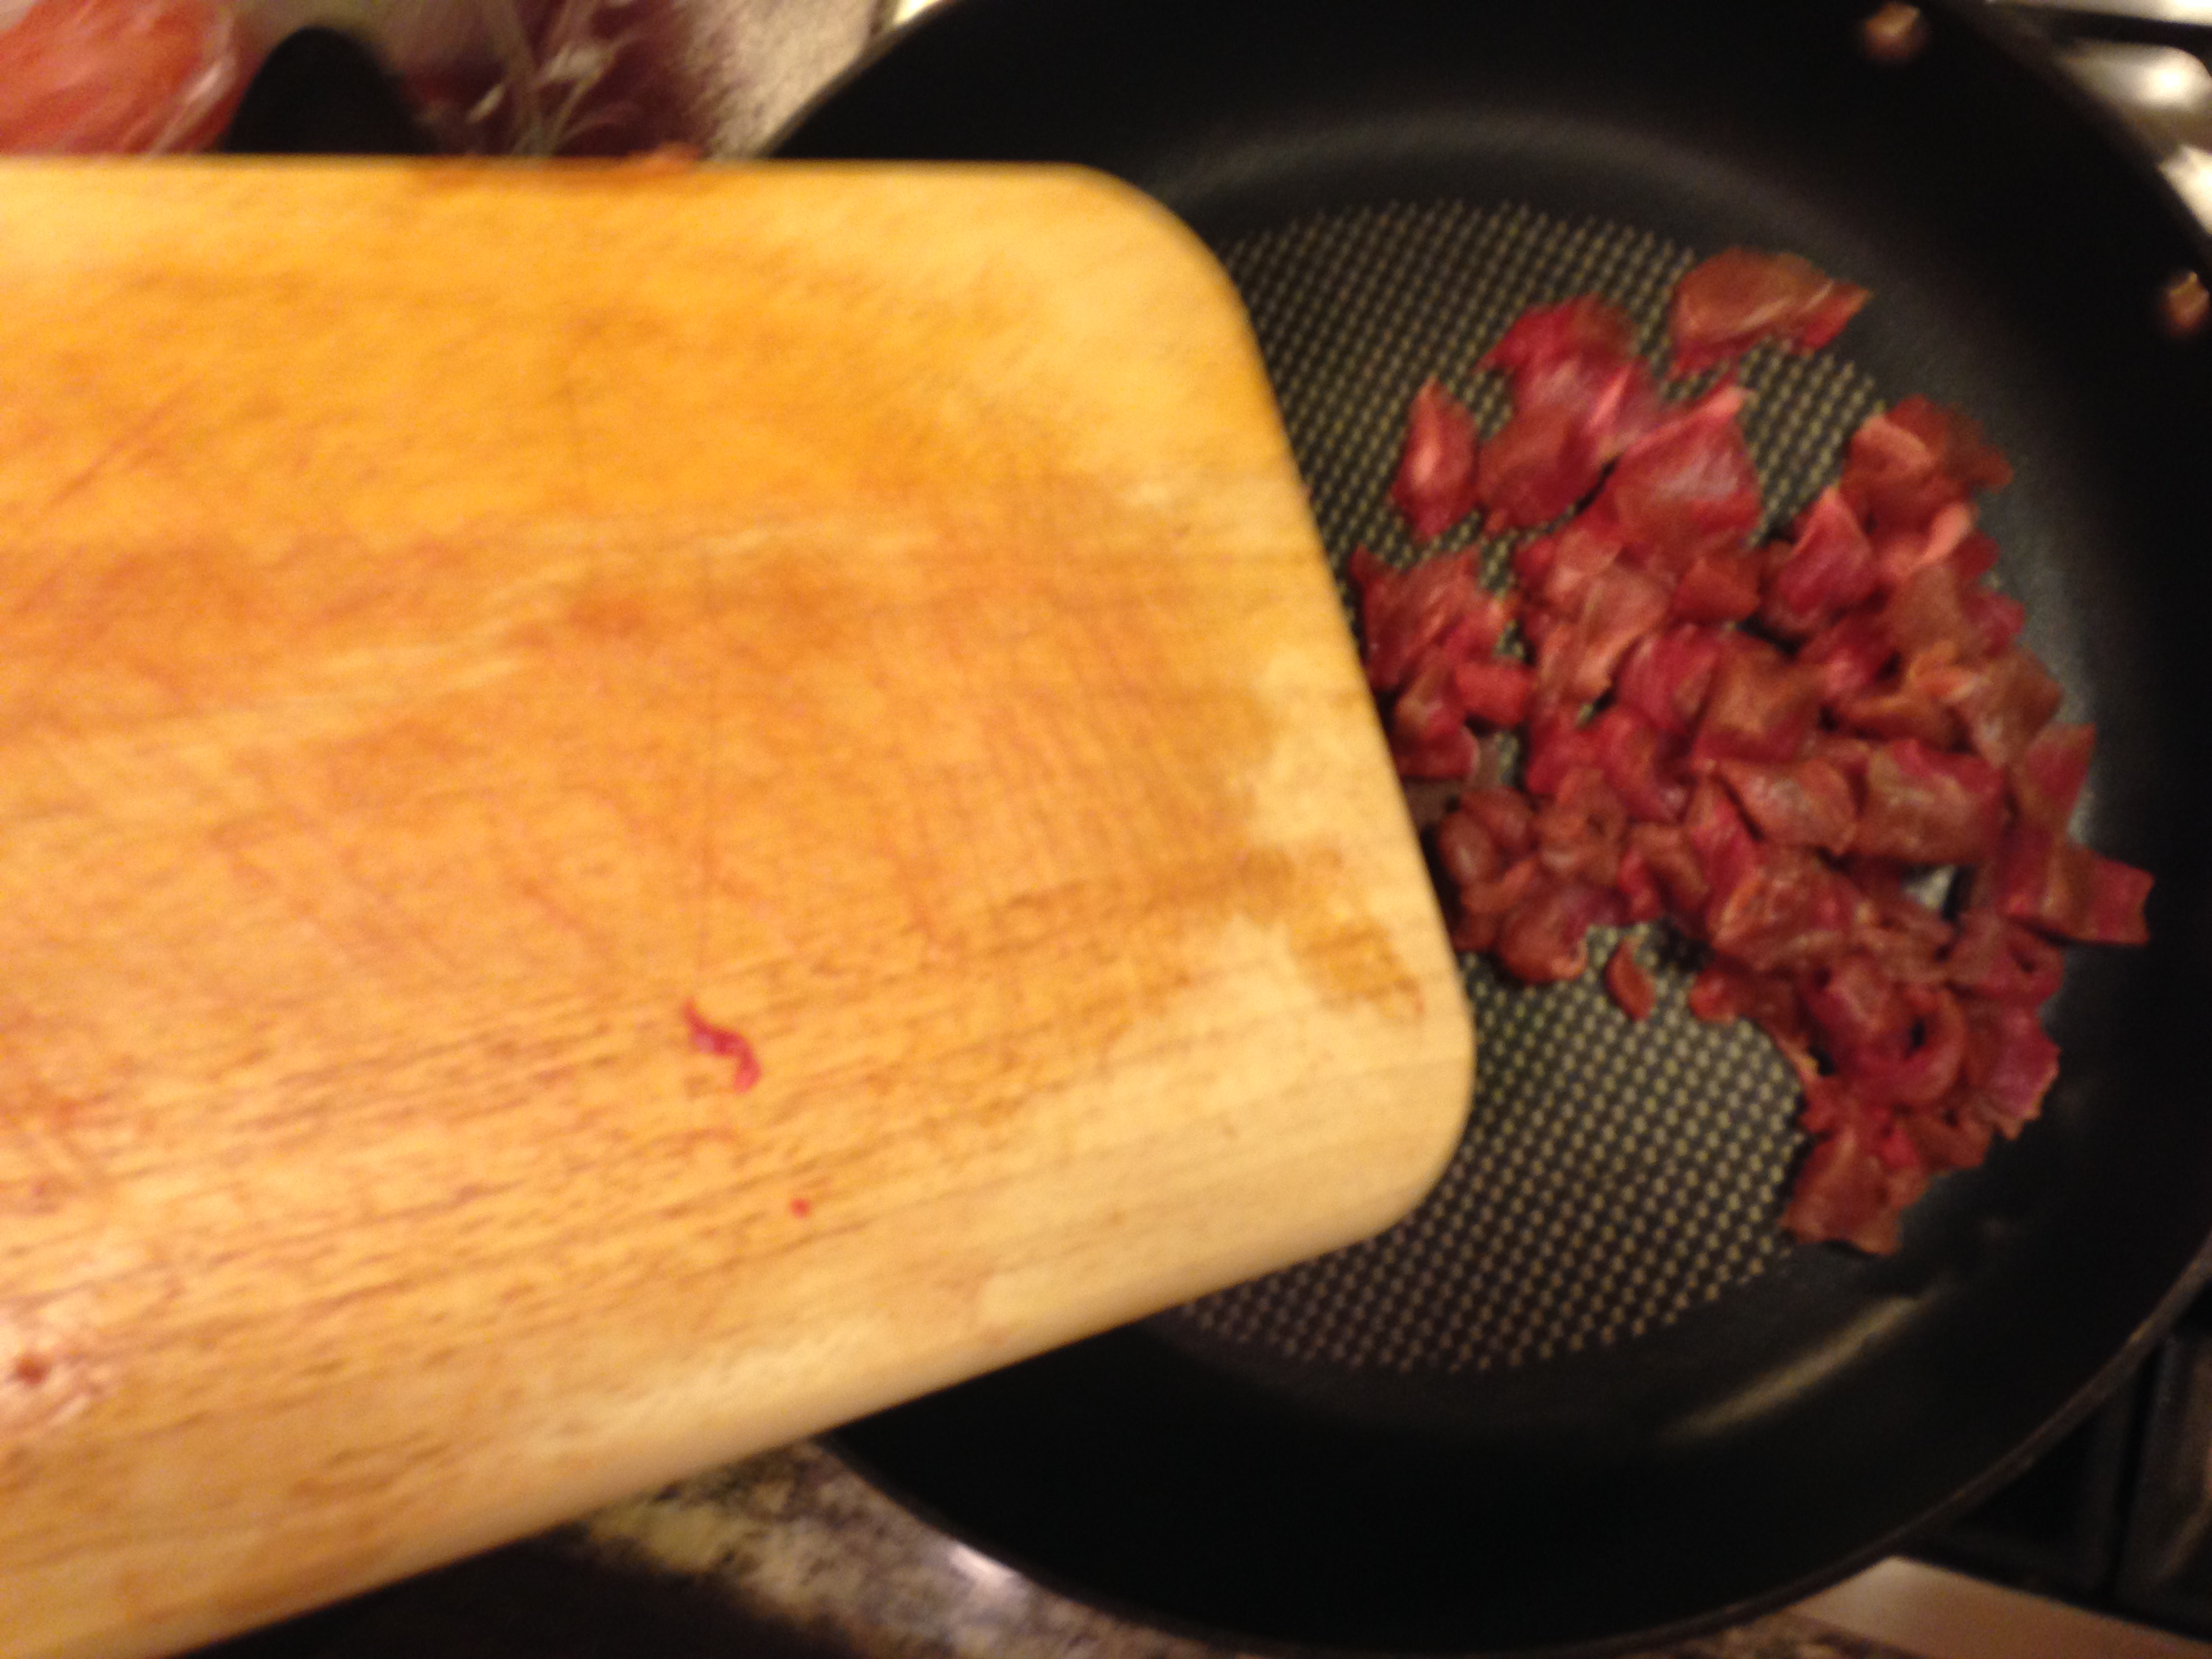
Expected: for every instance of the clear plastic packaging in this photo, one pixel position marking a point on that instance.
(117, 77)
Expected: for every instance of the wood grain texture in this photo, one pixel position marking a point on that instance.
(451, 618)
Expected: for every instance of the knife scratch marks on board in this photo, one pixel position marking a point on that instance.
(577, 475)
(326, 879)
(80, 610)
(43, 1164)
(42, 1168)
(710, 709)
(562, 915)
(125, 441)
(233, 846)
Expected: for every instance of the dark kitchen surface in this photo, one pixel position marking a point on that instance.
(786, 1556)
(790, 1555)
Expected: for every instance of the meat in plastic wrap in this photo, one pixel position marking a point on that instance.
(117, 77)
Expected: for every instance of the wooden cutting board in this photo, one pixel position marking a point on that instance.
(470, 634)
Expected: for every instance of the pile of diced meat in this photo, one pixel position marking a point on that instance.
(1778, 748)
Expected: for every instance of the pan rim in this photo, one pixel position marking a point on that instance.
(2078, 1408)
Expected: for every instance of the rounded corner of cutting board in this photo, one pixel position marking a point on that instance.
(1442, 1100)
(1459, 1075)
(1124, 230)
(1175, 237)
(1180, 247)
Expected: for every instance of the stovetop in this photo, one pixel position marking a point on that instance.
(791, 1555)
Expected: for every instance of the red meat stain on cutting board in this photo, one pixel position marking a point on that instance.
(50, 1372)
(725, 1043)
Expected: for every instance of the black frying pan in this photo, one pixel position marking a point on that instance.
(1586, 1399)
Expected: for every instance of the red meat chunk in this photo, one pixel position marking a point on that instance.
(1548, 355)
(1826, 570)
(1927, 616)
(1435, 488)
(1851, 655)
(1924, 807)
(1581, 830)
(1770, 1002)
(1639, 764)
(1545, 939)
(1540, 463)
(2049, 882)
(1721, 993)
(1580, 397)
(1687, 487)
(1666, 676)
(1630, 987)
(1642, 897)
(1508, 815)
(1406, 614)
(1556, 744)
(1859, 1010)
(1484, 906)
(1575, 661)
(2003, 704)
(2003, 961)
(1579, 356)
(1890, 925)
(1494, 691)
(2010, 1063)
(1900, 553)
(1469, 853)
(1556, 570)
(1806, 803)
(1897, 711)
(1762, 705)
(1429, 736)
(1907, 464)
(1735, 299)
(1921, 1071)
(1768, 747)
(2047, 777)
(1847, 1193)
(1995, 618)
(1725, 847)
(1721, 586)
(1952, 1136)
(1430, 635)
(1787, 909)
(1665, 853)
(1451, 758)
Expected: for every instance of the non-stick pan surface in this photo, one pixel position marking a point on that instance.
(1586, 1397)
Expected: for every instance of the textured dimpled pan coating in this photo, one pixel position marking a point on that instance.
(1613, 1175)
